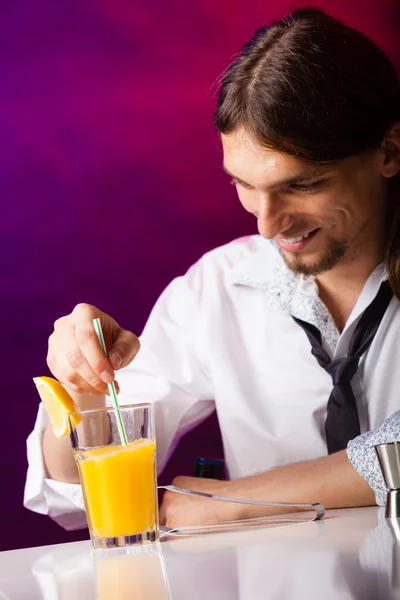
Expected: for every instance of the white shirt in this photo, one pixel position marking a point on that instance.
(222, 337)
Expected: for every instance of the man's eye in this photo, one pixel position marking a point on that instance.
(241, 183)
(305, 187)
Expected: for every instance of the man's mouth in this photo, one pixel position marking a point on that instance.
(298, 243)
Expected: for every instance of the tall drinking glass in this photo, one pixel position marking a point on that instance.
(119, 483)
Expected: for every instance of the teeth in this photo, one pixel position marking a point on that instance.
(296, 239)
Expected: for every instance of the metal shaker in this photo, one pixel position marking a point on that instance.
(389, 460)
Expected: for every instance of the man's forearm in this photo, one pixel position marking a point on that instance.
(331, 480)
(57, 453)
(58, 458)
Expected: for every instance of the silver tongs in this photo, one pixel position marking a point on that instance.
(226, 525)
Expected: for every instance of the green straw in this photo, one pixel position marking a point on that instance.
(111, 386)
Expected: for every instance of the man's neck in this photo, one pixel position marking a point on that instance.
(340, 287)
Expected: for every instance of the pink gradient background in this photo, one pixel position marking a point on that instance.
(111, 179)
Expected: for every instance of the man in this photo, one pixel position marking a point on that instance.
(308, 116)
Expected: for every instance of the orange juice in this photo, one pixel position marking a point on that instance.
(120, 488)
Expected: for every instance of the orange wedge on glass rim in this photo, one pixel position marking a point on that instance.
(58, 404)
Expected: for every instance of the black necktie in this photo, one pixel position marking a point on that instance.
(342, 424)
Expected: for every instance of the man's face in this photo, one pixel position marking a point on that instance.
(319, 216)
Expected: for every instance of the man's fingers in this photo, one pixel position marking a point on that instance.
(91, 352)
(161, 515)
(75, 354)
(88, 342)
(71, 379)
(124, 349)
(68, 363)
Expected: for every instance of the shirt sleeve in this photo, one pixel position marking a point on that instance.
(63, 502)
(170, 371)
(362, 455)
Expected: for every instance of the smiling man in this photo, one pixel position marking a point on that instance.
(290, 335)
(319, 216)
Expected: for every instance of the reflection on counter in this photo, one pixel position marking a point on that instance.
(331, 559)
(111, 574)
(348, 564)
(62, 575)
(380, 558)
(131, 573)
(350, 555)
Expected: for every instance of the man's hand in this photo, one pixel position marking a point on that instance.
(76, 359)
(75, 356)
(180, 510)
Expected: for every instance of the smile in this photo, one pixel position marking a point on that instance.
(296, 244)
(296, 239)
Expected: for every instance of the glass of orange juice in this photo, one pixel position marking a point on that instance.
(119, 483)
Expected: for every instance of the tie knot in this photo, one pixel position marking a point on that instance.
(342, 370)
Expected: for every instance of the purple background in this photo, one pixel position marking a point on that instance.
(111, 179)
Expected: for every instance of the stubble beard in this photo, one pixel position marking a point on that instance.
(331, 257)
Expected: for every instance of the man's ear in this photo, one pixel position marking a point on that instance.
(391, 152)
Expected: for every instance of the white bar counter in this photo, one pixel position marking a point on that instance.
(350, 554)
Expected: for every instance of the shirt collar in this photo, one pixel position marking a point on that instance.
(256, 268)
(265, 268)
(295, 294)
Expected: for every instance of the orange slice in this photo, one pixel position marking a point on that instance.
(58, 404)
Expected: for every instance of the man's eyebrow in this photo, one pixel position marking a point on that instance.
(304, 175)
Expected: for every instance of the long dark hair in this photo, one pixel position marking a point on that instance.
(312, 87)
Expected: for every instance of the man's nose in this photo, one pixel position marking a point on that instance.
(271, 217)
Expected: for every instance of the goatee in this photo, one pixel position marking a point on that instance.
(334, 253)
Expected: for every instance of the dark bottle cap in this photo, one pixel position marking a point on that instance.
(209, 468)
